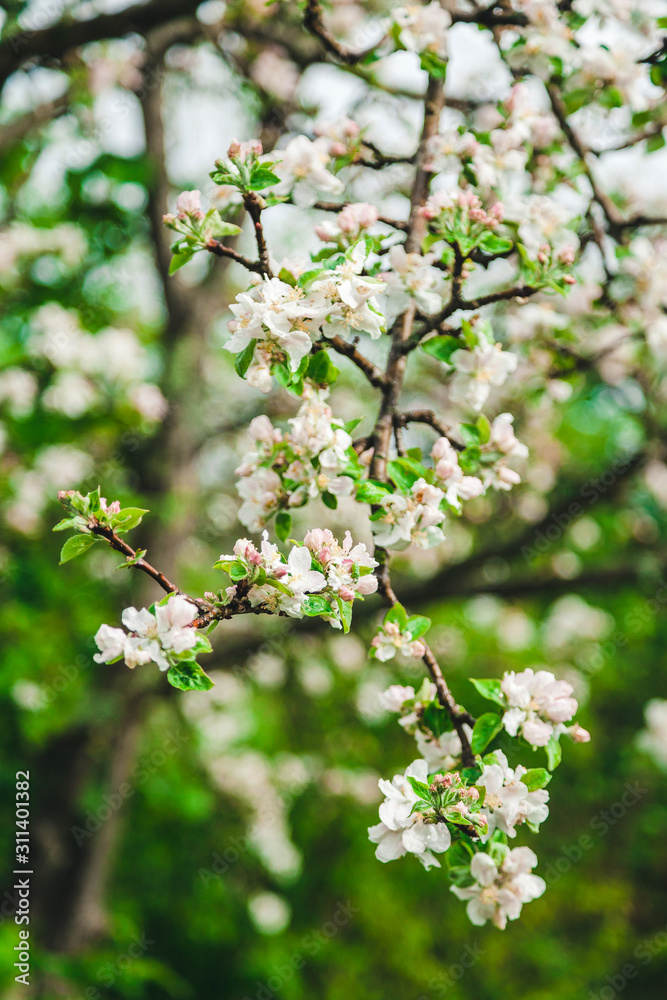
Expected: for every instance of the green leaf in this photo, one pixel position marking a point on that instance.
(436, 719)
(321, 369)
(345, 608)
(188, 676)
(368, 492)
(330, 501)
(68, 522)
(238, 570)
(486, 727)
(316, 605)
(655, 142)
(554, 753)
(283, 525)
(470, 433)
(243, 359)
(442, 348)
(351, 424)
(76, 546)
(417, 625)
(397, 615)
(262, 177)
(420, 788)
(402, 474)
(536, 777)
(484, 427)
(489, 689)
(495, 244)
(179, 259)
(434, 65)
(127, 519)
(222, 228)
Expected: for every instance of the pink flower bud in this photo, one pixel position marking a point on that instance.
(346, 593)
(367, 585)
(189, 203)
(579, 734)
(569, 279)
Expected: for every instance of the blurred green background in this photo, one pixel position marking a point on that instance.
(189, 845)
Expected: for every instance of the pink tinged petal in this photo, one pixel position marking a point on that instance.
(183, 639)
(536, 732)
(530, 887)
(509, 904)
(181, 611)
(367, 585)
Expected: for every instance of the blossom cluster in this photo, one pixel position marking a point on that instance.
(286, 468)
(87, 372)
(278, 319)
(320, 577)
(536, 706)
(416, 511)
(162, 635)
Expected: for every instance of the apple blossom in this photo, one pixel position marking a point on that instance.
(500, 888)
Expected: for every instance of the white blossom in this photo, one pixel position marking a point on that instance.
(302, 168)
(152, 635)
(477, 371)
(537, 704)
(400, 831)
(423, 29)
(500, 890)
(508, 802)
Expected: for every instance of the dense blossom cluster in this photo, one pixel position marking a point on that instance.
(286, 468)
(160, 636)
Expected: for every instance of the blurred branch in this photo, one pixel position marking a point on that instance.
(55, 42)
(39, 116)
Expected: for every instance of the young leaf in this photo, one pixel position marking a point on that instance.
(127, 519)
(536, 777)
(316, 605)
(486, 727)
(554, 753)
(188, 676)
(368, 492)
(402, 474)
(397, 615)
(442, 348)
(489, 689)
(345, 608)
(76, 546)
(243, 359)
(283, 525)
(179, 259)
(262, 177)
(420, 788)
(417, 625)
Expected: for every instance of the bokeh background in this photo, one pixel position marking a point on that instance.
(235, 862)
